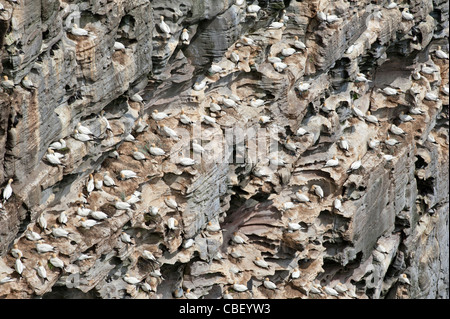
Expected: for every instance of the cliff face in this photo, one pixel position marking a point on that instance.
(394, 215)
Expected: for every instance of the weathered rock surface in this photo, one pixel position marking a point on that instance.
(394, 216)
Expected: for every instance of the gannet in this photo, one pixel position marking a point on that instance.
(343, 144)
(42, 221)
(318, 191)
(226, 295)
(164, 27)
(350, 49)
(97, 214)
(59, 232)
(141, 126)
(427, 70)
(277, 161)
(274, 59)
(406, 15)
(171, 203)
(332, 162)
(107, 180)
(416, 75)
(373, 143)
(261, 263)
(114, 154)
(394, 129)
(429, 96)
(357, 112)
(149, 256)
(405, 117)
(256, 102)
(294, 226)
(16, 252)
(234, 56)
(440, 54)
(268, 284)
(158, 116)
(136, 98)
(118, 46)
(198, 86)
(239, 288)
(416, 111)
(43, 248)
(445, 89)
(156, 151)
(126, 238)
(264, 119)
(188, 243)
(19, 266)
(56, 262)
(133, 199)
(403, 278)
(253, 8)
(361, 78)
(31, 235)
(81, 137)
(340, 288)
(214, 68)
(371, 118)
(355, 165)
(121, 205)
(172, 223)
(390, 91)
(337, 203)
(430, 138)
(213, 227)
(321, 16)
(139, 156)
(87, 223)
(279, 66)
(391, 5)
(295, 273)
(288, 51)
(332, 18)
(129, 138)
(185, 37)
(185, 119)
(301, 197)
(127, 174)
(62, 218)
(388, 157)
(6, 83)
(208, 119)
(27, 83)
(7, 191)
(190, 295)
(169, 132)
(391, 141)
(5, 280)
(214, 107)
(290, 145)
(84, 257)
(186, 161)
(197, 148)
(304, 86)
(52, 158)
(299, 44)
(330, 291)
(301, 131)
(229, 102)
(90, 184)
(58, 145)
(78, 31)
(131, 280)
(235, 254)
(237, 239)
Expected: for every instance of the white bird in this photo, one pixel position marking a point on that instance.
(133, 199)
(373, 143)
(52, 158)
(90, 184)
(127, 174)
(237, 239)
(274, 59)
(153, 210)
(391, 5)
(225, 295)
(388, 157)
(361, 78)
(6, 83)
(84, 129)
(394, 129)
(213, 227)
(171, 203)
(234, 56)
(16, 252)
(59, 232)
(88, 223)
(198, 86)
(81, 137)
(236, 254)
(257, 102)
(332, 162)
(118, 204)
(6, 280)
(239, 288)
(343, 144)
(19, 266)
(332, 18)
(264, 119)
(280, 66)
(98, 184)
(371, 118)
(318, 191)
(185, 37)
(403, 278)
(44, 248)
(7, 191)
(188, 243)
(32, 235)
(136, 98)
(416, 75)
(330, 291)
(27, 83)
(129, 138)
(295, 273)
(440, 54)
(427, 70)
(126, 238)
(214, 107)
(406, 15)
(107, 180)
(139, 156)
(321, 16)
(214, 68)
(58, 145)
(445, 89)
(429, 96)
(169, 132)
(405, 117)
(390, 91)
(118, 46)
(62, 218)
(337, 203)
(197, 148)
(84, 257)
(156, 151)
(301, 131)
(164, 27)
(141, 126)
(185, 119)
(302, 197)
(56, 262)
(158, 116)
(299, 44)
(416, 111)
(269, 284)
(261, 263)
(75, 30)
(97, 214)
(355, 165)
(340, 288)
(290, 145)
(149, 256)
(431, 138)
(277, 161)
(208, 120)
(190, 295)
(131, 280)
(229, 102)
(172, 223)
(186, 161)
(253, 8)
(391, 141)
(294, 226)
(288, 51)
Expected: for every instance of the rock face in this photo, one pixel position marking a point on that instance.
(247, 181)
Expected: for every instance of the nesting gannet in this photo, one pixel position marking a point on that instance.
(440, 54)
(226, 295)
(43, 248)
(90, 184)
(299, 44)
(236, 254)
(229, 102)
(197, 148)
(301, 197)
(156, 151)
(185, 37)
(58, 145)
(141, 126)
(87, 223)
(239, 288)
(234, 56)
(129, 138)
(198, 86)
(343, 144)
(260, 262)
(84, 257)
(321, 16)
(416, 111)
(269, 284)
(172, 223)
(149, 256)
(337, 203)
(430, 138)
(27, 83)
(7, 84)
(279, 66)
(158, 116)
(164, 27)
(318, 191)
(32, 235)
(214, 68)
(62, 218)
(373, 143)
(75, 30)
(188, 243)
(357, 112)
(332, 18)
(237, 239)
(332, 162)
(139, 156)
(256, 102)
(391, 141)
(371, 118)
(253, 8)
(361, 78)
(121, 205)
(403, 278)
(52, 158)
(127, 174)
(186, 161)
(97, 214)
(98, 184)
(391, 5)
(185, 119)
(16, 252)
(394, 129)
(214, 107)
(445, 89)
(293, 226)
(107, 180)
(56, 262)
(133, 199)
(118, 46)
(7, 191)
(136, 97)
(416, 75)
(405, 117)
(130, 280)
(59, 232)
(355, 165)
(264, 119)
(274, 59)
(288, 52)
(276, 161)
(330, 291)
(388, 157)
(303, 86)
(301, 131)
(42, 221)
(208, 119)
(126, 238)
(406, 15)
(428, 70)
(19, 266)
(169, 132)
(171, 203)
(429, 96)
(81, 137)
(114, 154)
(390, 91)
(213, 227)
(295, 273)
(5, 280)
(190, 295)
